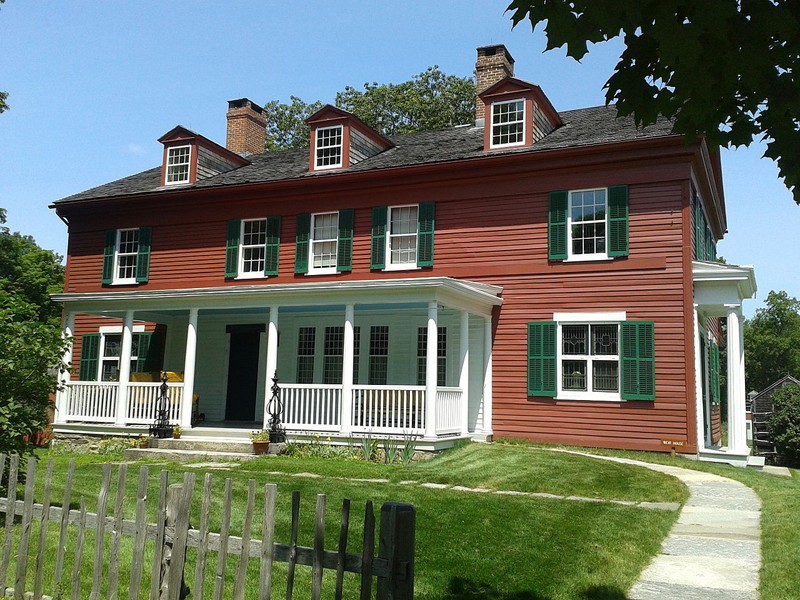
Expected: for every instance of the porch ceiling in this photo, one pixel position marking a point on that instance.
(718, 285)
(477, 298)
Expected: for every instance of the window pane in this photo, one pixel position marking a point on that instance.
(508, 122)
(574, 375)
(255, 233)
(404, 220)
(329, 146)
(326, 227)
(605, 376)
(378, 354)
(574, 339)
(334, 350)
(305, 354)
(604, 340)
(588, 218)
(324, 254)
(112, 345)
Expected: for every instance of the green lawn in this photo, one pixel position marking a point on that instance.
(470, 545)
(780, 518)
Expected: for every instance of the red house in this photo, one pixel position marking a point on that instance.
(536, 274)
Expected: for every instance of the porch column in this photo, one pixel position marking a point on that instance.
(346, 414)
(272, 360)
(737, 426)
(431, 359)
(464, 378)
(124, 368)
(698, 384)
(68, 331)
(487, 377)
(190, 359)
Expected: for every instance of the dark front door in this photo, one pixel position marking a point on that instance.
(240, 402)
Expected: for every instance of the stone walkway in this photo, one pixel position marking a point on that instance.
(714, 550)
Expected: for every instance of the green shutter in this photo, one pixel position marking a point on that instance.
(108, 256)
(344, 247)
(542, 358)
(714, 368)
(557, 226)
(618, 220)
(638, 360)
(378, 254)
(425, 227)
(90, 354)
(143, 255)
(232, 248)
(272, 248)
(301, 243)
(699, 230)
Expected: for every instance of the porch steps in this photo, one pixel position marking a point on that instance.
(197, 450)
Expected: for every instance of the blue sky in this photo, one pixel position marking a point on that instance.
(94, 84)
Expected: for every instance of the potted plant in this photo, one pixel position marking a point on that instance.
(260, 439)
(143, 441)
(176, 432)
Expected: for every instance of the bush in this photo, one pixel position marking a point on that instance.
(784, 425)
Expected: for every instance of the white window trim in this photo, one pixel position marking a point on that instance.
(188, 164)
(585, 318)
(598, 256)
(240, 263)
(338, 165)
(116, 279)
(105, 330)
(321, 270)
(387, 261)
(524, 124)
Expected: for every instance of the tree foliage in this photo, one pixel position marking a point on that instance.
(429, 100)
(772, 341)
(784, 424)
(286, 123)
(30, 337)
(727, 69)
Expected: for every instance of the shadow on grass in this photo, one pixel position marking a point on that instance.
(465, 589)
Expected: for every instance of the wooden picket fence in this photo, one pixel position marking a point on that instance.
(34, 527)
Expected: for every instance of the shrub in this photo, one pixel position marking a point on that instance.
(784, 425)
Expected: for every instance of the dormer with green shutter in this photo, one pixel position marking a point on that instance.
(589, 224)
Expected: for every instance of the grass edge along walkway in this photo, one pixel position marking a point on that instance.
(714, 549)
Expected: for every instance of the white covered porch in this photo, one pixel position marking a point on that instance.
(719, 291)
(384, 357)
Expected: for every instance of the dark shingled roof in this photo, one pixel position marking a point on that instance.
(582, 127)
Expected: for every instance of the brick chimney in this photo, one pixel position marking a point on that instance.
(246, 127)
(494, 63)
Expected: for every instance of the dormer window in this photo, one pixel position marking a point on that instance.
(329, 147)
(178, 158)
(508, 123)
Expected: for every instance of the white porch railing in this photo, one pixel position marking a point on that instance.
(143, 402)
(90, 401)
(311, 407)
(389, 409)
(448, 410)
(96, 402)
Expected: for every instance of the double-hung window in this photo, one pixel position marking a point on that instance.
(100, 353)
(378, 355)
(324, 242)
(126, 259)
(589, 224)
(591, 356)
(508, 123)
(306, 342)
(253, 248)
(329, 147)
(178, 159)
(402, 236)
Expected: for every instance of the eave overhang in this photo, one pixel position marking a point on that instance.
(476, 298)
(719, 284)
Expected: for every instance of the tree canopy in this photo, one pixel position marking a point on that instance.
(30, 336)
(429, 100)
(772, 341)
(727, 69)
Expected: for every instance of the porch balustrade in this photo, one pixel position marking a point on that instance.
(96, 402)
(375, 409)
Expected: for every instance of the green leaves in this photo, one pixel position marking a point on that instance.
(286, 123)
(772, 341)
(727, 69)
(784, 424)
(429, 100)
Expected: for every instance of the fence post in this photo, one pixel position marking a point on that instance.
(398, 529)
(174, 495)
